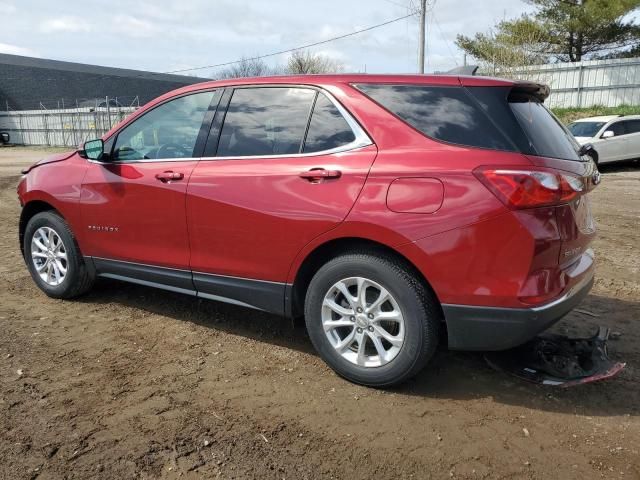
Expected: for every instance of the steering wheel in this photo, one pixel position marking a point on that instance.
(171, 150)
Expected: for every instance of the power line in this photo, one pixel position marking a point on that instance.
(280, 52)
(443, 38)
(408, 7)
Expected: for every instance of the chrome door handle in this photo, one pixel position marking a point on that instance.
(169, 176)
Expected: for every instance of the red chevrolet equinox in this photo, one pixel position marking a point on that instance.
(393, 212)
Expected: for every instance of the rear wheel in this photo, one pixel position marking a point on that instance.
(371, 319)
(53, 257)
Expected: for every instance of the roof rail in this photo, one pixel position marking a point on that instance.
(464, 70)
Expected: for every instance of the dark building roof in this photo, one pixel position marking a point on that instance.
(26, 82)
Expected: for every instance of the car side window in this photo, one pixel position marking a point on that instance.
(618, 128)
(633, 126)
(328, 129)
(265, 121)
(444, 113)
(167, 131)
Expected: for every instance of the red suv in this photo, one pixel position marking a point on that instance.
(386, 209)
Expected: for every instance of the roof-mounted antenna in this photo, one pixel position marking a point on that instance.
(463, 70)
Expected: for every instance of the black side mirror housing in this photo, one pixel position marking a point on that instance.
(586, 148)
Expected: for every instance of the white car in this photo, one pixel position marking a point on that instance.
(614, 137)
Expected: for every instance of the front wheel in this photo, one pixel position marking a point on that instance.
(53, 257)
(371, 319)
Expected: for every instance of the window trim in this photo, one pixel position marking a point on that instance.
(361, 139)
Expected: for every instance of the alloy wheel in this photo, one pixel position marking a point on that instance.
(363, 322)
(49, 256)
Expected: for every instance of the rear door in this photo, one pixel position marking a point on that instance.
(632, 140)
(286, 165)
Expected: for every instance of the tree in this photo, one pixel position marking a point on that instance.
(560, 30)
(246, 67)
(504, 52)
(302, 61)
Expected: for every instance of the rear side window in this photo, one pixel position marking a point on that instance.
(265, 121)
(328, 129)
(548, 137)
(449, 114)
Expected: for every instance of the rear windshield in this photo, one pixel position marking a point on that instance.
(548, 137)
(585, 129)
(484, 117)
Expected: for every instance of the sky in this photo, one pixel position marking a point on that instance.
(167, 35)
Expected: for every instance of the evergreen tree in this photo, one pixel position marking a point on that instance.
(559, 30)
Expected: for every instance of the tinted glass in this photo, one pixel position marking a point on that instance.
(547, 135)
(328, 128)
(167, 131)
(585, 129)
(632, 126)
(444, 113)
(494, 102)
(618, 128)
(265, 121)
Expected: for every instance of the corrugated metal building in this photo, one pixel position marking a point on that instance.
(28, 83)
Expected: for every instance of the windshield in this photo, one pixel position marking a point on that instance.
(547, 135)
(585, 129)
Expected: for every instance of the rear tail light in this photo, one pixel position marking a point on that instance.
(529, 188)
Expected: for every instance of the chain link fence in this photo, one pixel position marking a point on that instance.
(65, 127)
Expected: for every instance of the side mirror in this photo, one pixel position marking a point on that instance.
(587, 149)
(92, 149)
(608, 134)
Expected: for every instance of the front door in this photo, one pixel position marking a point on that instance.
(289, 165)
(613, 148)
(133, 202)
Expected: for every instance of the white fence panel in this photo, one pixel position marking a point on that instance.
(609, 83)
(60, 127)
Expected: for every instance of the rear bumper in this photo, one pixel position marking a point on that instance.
(495, 328)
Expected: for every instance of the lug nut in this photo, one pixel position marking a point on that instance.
(359, 330)
(371, 329)
(352, 318)
(370, 316)
(359, 309)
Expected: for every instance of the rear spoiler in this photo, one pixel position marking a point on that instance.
(538, 90)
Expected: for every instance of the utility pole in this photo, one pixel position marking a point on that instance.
(423, 17)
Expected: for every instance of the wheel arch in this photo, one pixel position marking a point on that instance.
(29, 210)
(330, 249)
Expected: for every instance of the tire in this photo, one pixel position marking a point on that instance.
(418, 309)
(77, 279)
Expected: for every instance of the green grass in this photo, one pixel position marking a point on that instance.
(568, 115)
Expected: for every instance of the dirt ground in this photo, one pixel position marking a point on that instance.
(132, 382)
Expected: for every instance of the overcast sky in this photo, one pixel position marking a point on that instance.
(165, 35)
